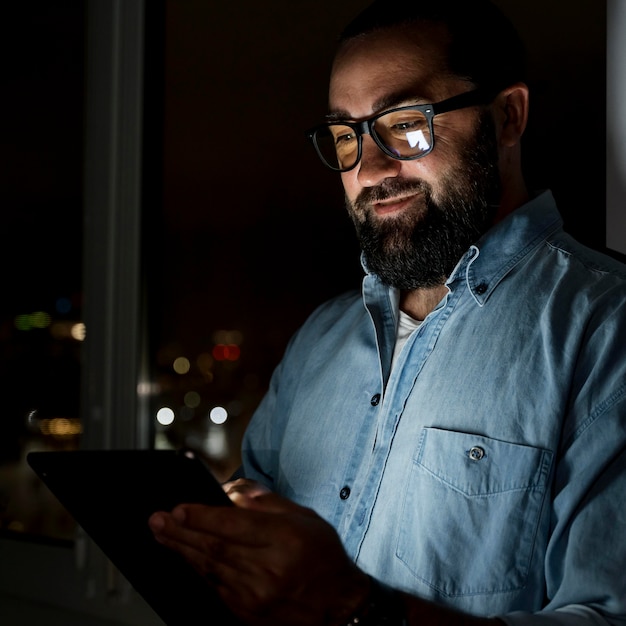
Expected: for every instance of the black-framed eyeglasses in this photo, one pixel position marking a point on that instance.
(404, 133)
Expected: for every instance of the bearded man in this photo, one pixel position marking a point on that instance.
(448, 444)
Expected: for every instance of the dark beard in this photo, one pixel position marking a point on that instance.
(421, 247)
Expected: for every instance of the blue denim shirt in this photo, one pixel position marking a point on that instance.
(487, 470)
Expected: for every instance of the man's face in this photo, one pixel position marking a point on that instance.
(414, 219)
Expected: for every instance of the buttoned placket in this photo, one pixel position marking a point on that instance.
(388, 407)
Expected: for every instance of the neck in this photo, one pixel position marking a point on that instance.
(418, 303)
(514, 191)
(509, 204)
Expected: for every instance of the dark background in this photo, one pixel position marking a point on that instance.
(249, 212)
(244, 228)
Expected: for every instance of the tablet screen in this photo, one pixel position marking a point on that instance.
(112, 493)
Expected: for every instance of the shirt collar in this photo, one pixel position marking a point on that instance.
(504, 245)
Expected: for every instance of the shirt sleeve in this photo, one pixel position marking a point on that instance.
(584, 563)
(572, 615)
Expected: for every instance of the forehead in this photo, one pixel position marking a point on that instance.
(387, 64)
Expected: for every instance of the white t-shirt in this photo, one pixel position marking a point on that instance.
(406, 325)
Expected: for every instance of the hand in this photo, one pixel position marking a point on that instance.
(272, 561)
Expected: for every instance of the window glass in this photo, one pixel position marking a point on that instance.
(254, 233)
(40, 308)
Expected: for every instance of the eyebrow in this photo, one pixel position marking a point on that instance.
(388, 101)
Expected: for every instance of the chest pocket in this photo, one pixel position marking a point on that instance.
(471, 511)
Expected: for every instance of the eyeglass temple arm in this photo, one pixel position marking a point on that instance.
(467, 99)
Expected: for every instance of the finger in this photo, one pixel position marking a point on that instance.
(244, 487)
(200, 549)
(234, 524)
(170, 529)
(192, 530)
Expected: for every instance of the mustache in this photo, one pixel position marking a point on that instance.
(390, 188)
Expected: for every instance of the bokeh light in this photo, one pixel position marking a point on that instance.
(78, 331)
(165, 416)
(192, 399)
(63, 305)
(181, 365)
(29, 321)
(218, 415)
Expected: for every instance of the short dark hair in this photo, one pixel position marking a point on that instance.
(484, 48)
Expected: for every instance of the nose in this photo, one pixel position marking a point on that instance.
(375, 165)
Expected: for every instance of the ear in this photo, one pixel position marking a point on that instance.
(511, 113)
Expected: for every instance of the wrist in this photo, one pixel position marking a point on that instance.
(383, 606)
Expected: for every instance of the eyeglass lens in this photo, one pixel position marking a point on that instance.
(402, 134)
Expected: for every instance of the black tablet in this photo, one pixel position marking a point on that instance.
(112, 493)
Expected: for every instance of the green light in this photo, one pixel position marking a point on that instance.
(22, 322)
(40, 319)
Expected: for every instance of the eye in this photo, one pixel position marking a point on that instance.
(410, 125)
(407, 125)
(399, 123)
(343, 135)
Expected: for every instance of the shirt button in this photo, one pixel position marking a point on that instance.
(375, 399)
(476, 453)
(481, 288)
(344, 494)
